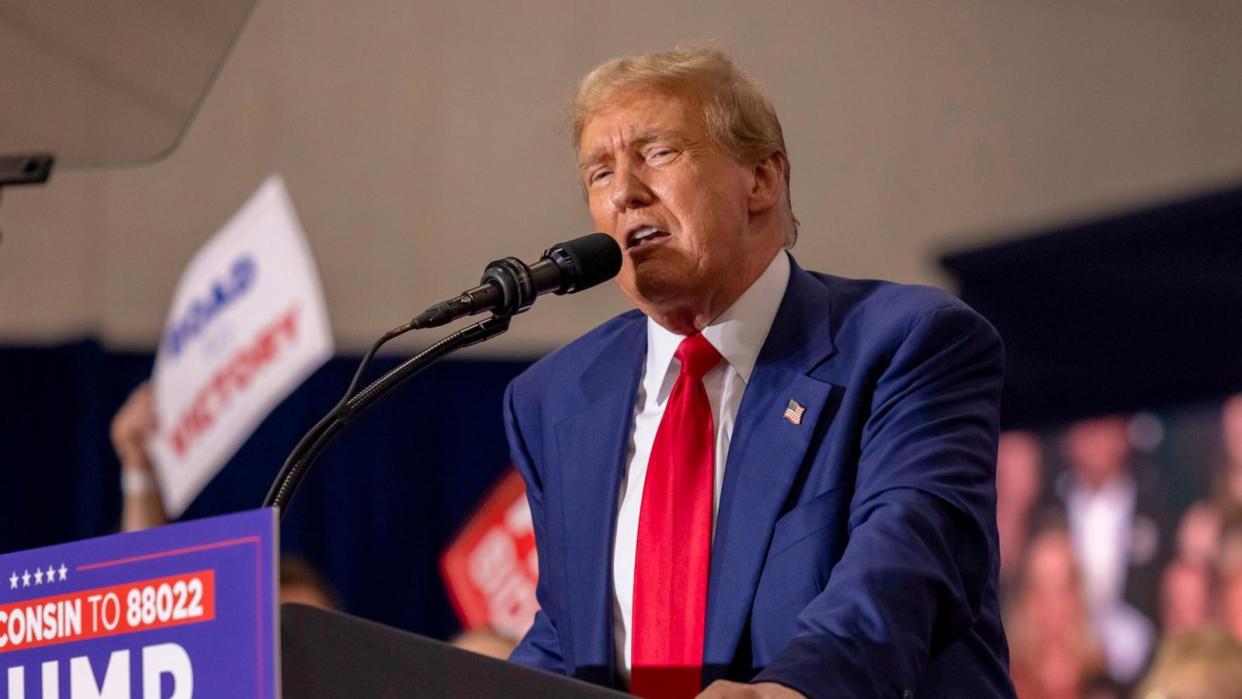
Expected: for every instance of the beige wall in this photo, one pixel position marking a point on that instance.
(419, 142)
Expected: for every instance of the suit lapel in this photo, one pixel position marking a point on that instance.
(765, 456)
(591, 448)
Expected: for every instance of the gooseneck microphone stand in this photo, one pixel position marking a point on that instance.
(307, 451)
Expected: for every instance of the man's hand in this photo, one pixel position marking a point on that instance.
(722, 689)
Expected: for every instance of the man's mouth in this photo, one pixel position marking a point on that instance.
(639, 236)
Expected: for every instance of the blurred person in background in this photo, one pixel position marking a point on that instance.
(1199, 540)
(1203, 664)
(1231, 604)
(1186, 591)
(1209, 541)
(1115, 521)
(1229, 543)
(1229, 571)
(1201, 536)
(1019, 479)
(1054, 652)
(1185, 598)
(1198, 534)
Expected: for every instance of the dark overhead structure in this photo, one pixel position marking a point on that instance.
(105, 84)
(1139, 310)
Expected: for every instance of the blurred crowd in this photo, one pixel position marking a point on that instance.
(1111, 588)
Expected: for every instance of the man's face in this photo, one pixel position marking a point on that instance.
(676, 203)
(1098, 449)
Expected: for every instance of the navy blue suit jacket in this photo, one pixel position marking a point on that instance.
(855, 554)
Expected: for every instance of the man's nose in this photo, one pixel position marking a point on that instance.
(629, 191)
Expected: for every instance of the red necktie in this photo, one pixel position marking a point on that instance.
(675, 537)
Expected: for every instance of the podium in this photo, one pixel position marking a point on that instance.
(189, 610)
(327, 654)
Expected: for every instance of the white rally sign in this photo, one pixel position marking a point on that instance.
(248, 324)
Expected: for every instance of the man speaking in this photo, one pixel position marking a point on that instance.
(763, 474)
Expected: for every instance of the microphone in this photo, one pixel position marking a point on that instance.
(510, 286)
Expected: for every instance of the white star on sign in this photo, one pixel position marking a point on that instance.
(51, 574)
(62, 571)
(25, 578)
(38, 576)
(13, 581)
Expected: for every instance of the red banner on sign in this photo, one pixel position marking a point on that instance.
(491, 568)
(108, 611)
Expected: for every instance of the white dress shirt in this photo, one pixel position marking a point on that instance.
(737, 334)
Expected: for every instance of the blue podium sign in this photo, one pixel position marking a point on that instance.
(186, 610)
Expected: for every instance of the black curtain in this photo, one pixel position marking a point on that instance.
(1134, 311)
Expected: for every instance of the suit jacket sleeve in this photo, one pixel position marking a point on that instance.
(540, 647)
(922, 545)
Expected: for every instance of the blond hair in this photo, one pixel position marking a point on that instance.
(1202, 664)
(736, 113)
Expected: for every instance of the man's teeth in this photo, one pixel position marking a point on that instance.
(644, 233)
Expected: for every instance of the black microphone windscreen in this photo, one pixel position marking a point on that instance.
(596, 258)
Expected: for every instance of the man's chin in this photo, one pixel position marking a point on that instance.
(660, 288)
(670, 300)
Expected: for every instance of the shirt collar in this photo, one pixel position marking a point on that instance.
(737, 334)
(1119, 492)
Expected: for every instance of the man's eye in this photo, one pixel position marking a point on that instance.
(660, 154)
(599, 175)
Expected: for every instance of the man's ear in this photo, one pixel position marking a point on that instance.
(768, 183)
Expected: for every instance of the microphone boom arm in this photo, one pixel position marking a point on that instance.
(308, 450)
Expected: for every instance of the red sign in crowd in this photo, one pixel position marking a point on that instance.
(491, 567)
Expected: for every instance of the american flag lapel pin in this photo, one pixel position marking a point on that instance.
(793, 412)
